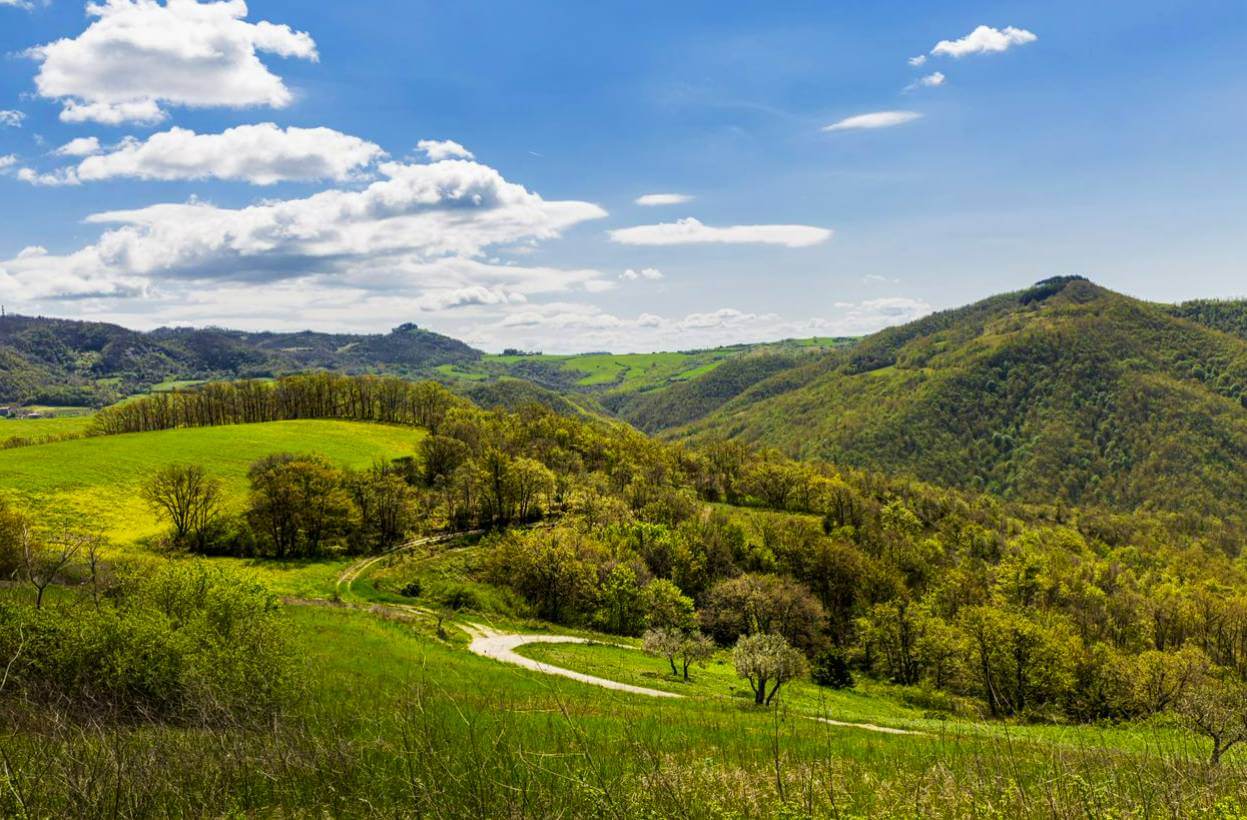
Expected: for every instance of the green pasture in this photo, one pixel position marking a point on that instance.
(96, 480)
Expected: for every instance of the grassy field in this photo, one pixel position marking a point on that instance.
(623, 372)
(96, 479)
(45, 428)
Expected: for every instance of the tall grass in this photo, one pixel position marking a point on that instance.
(392, 724)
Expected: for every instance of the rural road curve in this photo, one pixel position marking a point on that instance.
(490, 644)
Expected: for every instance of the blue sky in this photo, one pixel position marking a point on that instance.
(1099, 138)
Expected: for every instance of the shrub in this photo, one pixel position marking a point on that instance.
(184, 642)
(412, 589)
(832, 670)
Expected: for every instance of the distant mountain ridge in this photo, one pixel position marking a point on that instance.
(62, 361)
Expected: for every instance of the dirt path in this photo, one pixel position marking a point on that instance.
(489, 643)
(354, 571)
(494, 645)
(869, 727)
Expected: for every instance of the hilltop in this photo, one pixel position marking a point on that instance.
(1062, 392)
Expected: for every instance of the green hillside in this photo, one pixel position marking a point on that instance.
(1065, 392)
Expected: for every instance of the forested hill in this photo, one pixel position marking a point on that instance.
(59, 361)
(1065, 391)
(1229, 315)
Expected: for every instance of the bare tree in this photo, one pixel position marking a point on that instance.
(95, 566)
(188, 497)
(1216, 707)
(44, 562)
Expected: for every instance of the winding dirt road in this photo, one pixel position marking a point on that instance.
(489, 643)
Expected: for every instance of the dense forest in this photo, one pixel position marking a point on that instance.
(1062, 392)
(1048, 612)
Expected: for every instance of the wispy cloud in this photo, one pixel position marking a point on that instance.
(875, 119)
(934, 80)
(692, 232)
(655, 200)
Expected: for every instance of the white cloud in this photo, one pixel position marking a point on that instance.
(21, 4)
(599, 285)
(261, 154)
(80, 147)
(723, 317)
(933, 80)
(11, 119)
(7, 161)
(567, 327)
(140, 54)
(438, 150)
(630, 275)
(441, 299)
(654, 200)
(419, 228)
(875, 119)
(920, 60)
(54, 179)
(143, 112)
(32, 251)
(984, 40)
(690, 231)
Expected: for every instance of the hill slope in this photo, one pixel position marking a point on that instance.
(1065, 391)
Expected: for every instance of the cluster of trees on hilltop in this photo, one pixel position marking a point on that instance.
(299, 506)
(1043, 611)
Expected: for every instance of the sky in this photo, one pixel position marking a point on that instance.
(571, 176)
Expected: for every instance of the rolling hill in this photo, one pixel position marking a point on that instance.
(1065, 391)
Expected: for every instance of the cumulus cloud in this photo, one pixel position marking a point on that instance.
(875, 119)
(421, 227)
(11, 119)
(984, 40)
(53, 179)
(655, 200)
(21, 4)
(630, 275)
(138, 55)
(7, 161)
(80, 147)
(920, 60)
(438, 150)
(933, 80)
(261, 154)
(440, 299)
(690, 231)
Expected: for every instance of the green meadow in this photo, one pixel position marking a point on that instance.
(96, 480)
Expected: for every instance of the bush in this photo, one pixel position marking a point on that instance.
(832, 670)
(184, 642)
(411, 590)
